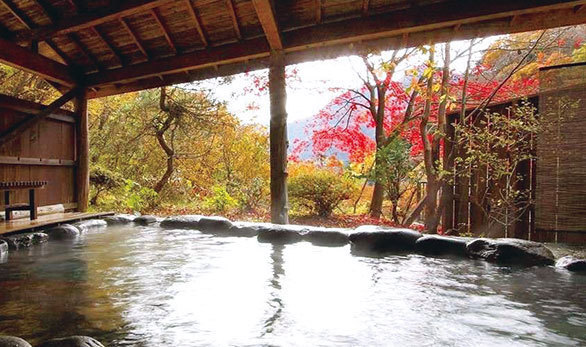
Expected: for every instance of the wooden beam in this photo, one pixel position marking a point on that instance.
(28, 107)
(135, 38)
(35, 161)
(268, 20)
(21, 58)
(278, 139)
(232, 13)
(196, 22)
(82, 177)
(164, 28)
(179, 77)
(14, 131)
(235, 52)
(86, 20)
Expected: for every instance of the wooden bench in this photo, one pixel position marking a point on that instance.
(20, 185)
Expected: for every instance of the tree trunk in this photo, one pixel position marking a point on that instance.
(278, 139)
(378, 111)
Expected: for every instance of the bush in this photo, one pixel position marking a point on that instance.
(220, 200)
(320, 190)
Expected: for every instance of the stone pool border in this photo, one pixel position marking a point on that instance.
(365, 240)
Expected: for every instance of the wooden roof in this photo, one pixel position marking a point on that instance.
(118, 46)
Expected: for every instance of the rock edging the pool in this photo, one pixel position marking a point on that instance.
(374, 240)
(71, 341)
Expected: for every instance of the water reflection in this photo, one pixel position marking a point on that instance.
(275, 302)
(150, 287)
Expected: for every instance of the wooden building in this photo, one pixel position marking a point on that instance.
(90, 49)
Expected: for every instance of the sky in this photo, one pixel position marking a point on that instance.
(311, 92)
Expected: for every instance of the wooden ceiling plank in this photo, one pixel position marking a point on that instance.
(84, 50)
(110, 47)
(196, 22)
(89, 19)
(232, 13)
(268, 20)
(59, 52)
(164, 29)
(17, 13)
(135, 38)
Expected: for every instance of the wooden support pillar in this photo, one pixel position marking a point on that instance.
(278, 139)
(82, 178)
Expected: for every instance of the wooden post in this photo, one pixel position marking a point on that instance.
(278, 139)
(82, 179)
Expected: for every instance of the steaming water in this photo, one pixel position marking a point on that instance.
(143, 286)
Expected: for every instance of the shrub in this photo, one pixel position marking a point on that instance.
(220, 200)
(320, 190)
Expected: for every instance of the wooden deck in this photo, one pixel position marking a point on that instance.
(25, 224)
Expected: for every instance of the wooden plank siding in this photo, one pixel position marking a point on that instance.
(43, 152)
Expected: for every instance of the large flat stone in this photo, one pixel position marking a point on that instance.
(510, 252)
(572, 264)
(119, 219)
(441, 245)
(64, 231)
(13, 341)
(3, 247)
(371, 238)
(72, 341)
(327, 237)
(214, 223)
(90, 224)
(145, 220)
(281, 234)
(190, 221)
(244, 229)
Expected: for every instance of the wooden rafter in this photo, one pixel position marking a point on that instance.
(21, 58)
(196, 22)
(111, 48)
(268, 20)
(164, 29)
(17, 13)
(59, 52)
(318, 11)
(73, 4)
(14, 131)
(84, 50)
(86, 20)
(365, 4)
(232, 13)
(135, 38)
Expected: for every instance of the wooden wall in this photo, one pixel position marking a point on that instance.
(44, 152)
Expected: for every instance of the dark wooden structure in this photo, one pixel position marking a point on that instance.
(463, 212)
(555, 180)
(32, 204)
(90, 49)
